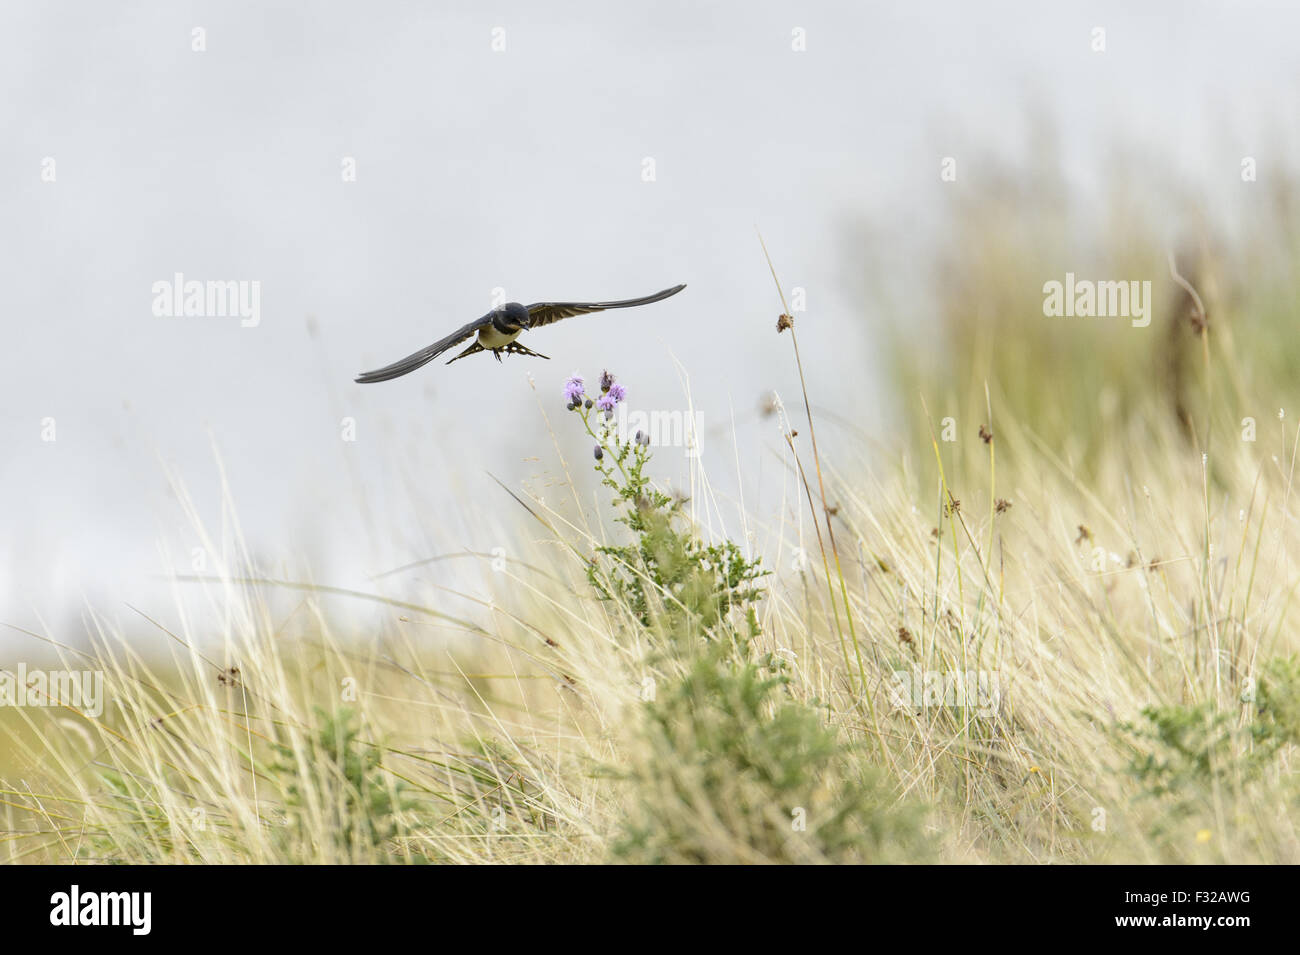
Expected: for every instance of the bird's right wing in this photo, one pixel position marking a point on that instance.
(425, 355)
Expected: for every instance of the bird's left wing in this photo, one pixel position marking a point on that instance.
(425, 355)
(547, 313)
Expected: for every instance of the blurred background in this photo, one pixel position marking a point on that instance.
(577, 152)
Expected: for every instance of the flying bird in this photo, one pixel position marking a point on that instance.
(498, 329)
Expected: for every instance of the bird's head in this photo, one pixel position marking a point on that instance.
(516, 315)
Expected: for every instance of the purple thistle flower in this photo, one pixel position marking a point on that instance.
(617, 392)
(606, 403)
(573, 390)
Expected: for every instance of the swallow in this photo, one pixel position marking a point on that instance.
(498, 329)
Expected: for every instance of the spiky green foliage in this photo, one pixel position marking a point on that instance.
(674, 582)
(735, 771)
(336, 778)
(729, 766)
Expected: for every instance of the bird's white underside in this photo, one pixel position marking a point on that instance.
(489, 337)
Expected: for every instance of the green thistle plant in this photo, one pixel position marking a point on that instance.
(673, 582)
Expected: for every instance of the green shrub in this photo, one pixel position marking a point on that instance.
(333, 783)
(730, 768)
(736, 772)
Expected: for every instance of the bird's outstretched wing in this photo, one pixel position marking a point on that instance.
(547, 313)
(425, 355)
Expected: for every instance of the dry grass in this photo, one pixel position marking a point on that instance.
(1130, 564)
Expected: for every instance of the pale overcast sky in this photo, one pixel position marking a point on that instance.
(479, 168)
